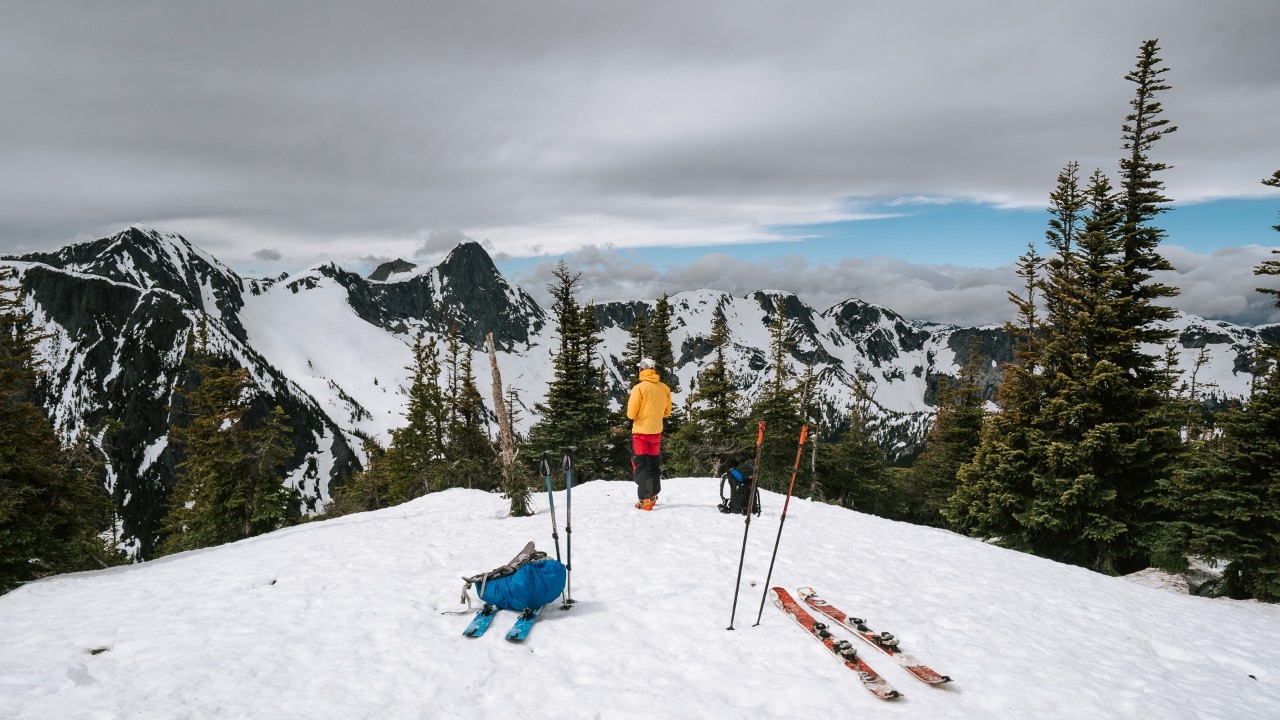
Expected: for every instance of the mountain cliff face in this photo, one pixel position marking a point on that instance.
(333, 348)
(118, 312)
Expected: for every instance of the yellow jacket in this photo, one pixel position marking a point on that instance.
(650, 402)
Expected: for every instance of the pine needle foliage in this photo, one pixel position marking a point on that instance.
(952, 441)
(1224, 504)
(851, 470)
(231, 473)
(52, 508)
(779, 406)
(1072, 466)
(576, 412)
(711, 437)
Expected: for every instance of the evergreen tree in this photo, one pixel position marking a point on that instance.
(472, 460)
(852, 471)
(994, 489)
(1142, 200)
(51, 506)
(1074, 473)
(368, 489)
(637, 339)
(952, 441)
(657, 343)
(1226, 500)
(230, 479)
(712, 433)
(602, 452)
(419, 447)
(576, 409)
(1087, 438)
(778, 405)
(650, 336)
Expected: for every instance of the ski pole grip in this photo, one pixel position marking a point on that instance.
(544, 467)
(760, 433)
(804, 431)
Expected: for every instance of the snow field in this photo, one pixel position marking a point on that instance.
(345, 619)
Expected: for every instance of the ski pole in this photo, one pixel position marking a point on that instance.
(751, 494)
(545, 468)
(804, 430)
(568, 527)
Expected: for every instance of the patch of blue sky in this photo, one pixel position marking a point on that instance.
(968, 234)
(932, 231)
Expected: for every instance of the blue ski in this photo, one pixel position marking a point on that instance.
(481, 621)
(520, 630)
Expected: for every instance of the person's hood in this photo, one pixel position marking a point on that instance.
(650, 375)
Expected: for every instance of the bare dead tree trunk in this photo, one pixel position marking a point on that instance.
(513, 482)
(500, 407)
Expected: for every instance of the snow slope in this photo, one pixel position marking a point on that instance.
(344, 619)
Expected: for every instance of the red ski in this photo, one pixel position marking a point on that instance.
(885, 642)
(842, 648)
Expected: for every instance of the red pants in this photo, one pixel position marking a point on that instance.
(645, 466)
(646, 444)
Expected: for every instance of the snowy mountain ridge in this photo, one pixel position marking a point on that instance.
(332, 348)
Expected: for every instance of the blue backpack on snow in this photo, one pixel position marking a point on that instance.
(530, 580)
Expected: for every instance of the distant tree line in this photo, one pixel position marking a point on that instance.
(1095, 455)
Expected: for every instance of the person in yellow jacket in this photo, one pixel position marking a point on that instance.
(650, 401)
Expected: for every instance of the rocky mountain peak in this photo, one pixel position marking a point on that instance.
(387, 269)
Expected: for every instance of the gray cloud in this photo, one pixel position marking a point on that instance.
(1221, 285)
(440, 241)
(1216, 286)
(267, 254)
(334, 131)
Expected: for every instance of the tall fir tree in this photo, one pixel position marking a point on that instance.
(637, 342)
(231, 476)
(778, 406)
(1225, 503)
(1075, 473)
(711, 434)
(367, 489)
(575, 412)
(418, 448)
(1142, 200)
(951, 442)
(657, 342)
(852, 470)
(1090, 488)
(472, 459)
(1150, 443)
(994, 489)
(52, 508)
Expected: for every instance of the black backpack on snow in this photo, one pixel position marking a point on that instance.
(739, 481)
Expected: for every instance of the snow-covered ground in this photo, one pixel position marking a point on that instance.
(345, 619)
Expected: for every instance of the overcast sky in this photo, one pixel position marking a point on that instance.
(900, 152)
